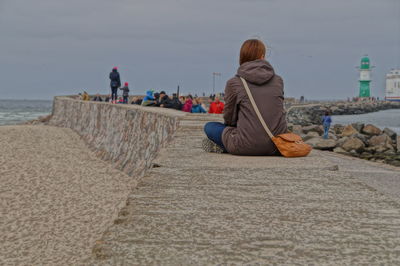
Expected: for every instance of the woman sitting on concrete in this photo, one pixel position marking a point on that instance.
(242, 133)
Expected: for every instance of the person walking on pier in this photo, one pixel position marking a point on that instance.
(115, 83)
(326, 122)
(242, 133)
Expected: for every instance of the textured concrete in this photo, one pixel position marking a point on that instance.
(382, 177)
(129, 136)
(200, 209)
(56, 196)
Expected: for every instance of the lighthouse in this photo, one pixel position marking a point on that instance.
(365, 77)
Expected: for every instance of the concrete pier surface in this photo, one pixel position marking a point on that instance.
(210, 209)
(58, 204)
(56, 196)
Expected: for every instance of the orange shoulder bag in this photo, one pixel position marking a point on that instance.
(288, 144)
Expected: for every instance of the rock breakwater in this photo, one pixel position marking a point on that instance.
(358, 140)
(310, 114)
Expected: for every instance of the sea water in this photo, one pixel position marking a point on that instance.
(18, 111)
(381, 119)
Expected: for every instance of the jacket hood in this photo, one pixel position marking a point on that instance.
(257, 72)
(149, 93)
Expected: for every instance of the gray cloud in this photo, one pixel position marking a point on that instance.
(52, 47)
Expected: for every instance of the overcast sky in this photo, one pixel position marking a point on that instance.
(54, 47)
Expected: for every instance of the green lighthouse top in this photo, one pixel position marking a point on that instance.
(365, 63)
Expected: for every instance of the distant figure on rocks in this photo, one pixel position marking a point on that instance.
(216, 107)
(125, 92)
(326, 122)
(115, 83)
(97, 98)
(242, 133)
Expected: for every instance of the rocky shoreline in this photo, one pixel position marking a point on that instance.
(357, 140)
(310, 114)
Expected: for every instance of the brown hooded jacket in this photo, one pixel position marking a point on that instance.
(245, 134)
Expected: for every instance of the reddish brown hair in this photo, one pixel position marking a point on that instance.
(251, 50)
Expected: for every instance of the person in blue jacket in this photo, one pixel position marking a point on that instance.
(197, 108)
(149, 99)
(326, 122)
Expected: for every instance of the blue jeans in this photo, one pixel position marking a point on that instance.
(214, 131)
(326, 130)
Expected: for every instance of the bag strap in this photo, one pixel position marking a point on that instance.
(256, 108)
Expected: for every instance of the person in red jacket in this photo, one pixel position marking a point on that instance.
(216, 107)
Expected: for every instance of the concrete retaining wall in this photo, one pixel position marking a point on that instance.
(128, 136)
